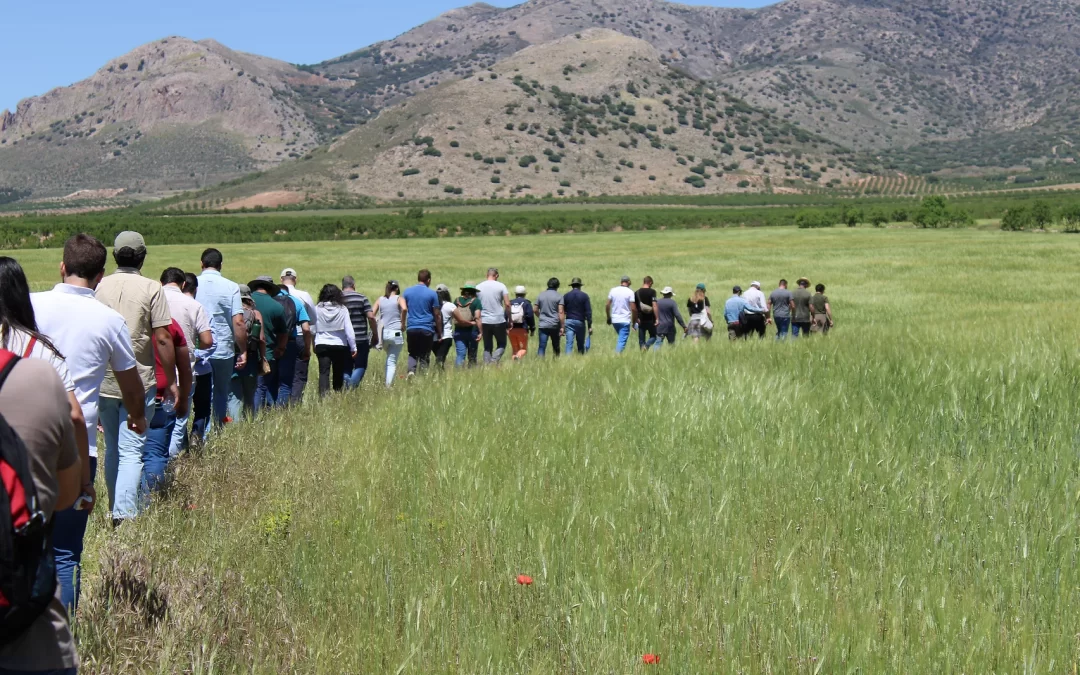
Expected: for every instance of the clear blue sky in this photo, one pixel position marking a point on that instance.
(67, 41)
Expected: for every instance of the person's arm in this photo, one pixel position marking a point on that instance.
(134, 395)
(791, 307)
(436, 312)
(530, 318)
(562, 318)
(403, 307)
(372, 328)
(82, 444)
(588, 313)
(633, 311)
(828, 312)
(239, 334)
(282, 343)
(309, 340)
(350, 335)
(183, 375)
(167, 354)
(607, 310)
(478, 321)
(69, 485)
(506, 304)
(678, 317)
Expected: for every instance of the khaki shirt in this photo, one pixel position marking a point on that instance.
(142, 303)
(34, 403)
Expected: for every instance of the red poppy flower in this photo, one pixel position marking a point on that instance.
(227, 420)
(524, 580)
(651, 659)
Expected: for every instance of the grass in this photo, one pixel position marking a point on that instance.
(898, 497)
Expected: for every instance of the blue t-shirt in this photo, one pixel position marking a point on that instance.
(423, 304)
(301, 309)
(734, 307)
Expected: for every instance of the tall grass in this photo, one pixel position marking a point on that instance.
(897, 497)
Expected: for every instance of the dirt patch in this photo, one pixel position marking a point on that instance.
(268, 200)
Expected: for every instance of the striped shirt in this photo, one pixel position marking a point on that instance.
(359, 307)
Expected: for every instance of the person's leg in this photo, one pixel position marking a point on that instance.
(461, 347)
(249, 381)
(341, 362)
(155, 455)
(414, 346)
(622, 330)
(323, 355)
(286, 375)
(556, 342)
(267, 388)
(541, 349)
(201, 407)
(519, 341)
(300, 374)
(427, 345)
(180, 430)
(571, 333)
(236, 398)
(499, 333)
(360, 363)
(489, 343)
(392, 349)
(109, 418)
(130, 466)
(69, 533)
(222, 370)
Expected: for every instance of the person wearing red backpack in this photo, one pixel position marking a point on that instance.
(39, 474)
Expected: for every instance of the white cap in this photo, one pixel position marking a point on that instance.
(756, 283)
(288, 272)
(520, 290)
(667, 291)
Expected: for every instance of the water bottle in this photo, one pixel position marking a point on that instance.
(168, 406)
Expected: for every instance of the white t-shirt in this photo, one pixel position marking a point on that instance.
(305, 297)
(190, 315)
(756, 299)
(91, 337)
(448, 321)
(621, 298)
(493, 296)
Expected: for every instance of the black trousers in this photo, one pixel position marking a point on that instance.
(336, 358)
(419, 343)
(442, 350)
(753, 322)
(494, 342)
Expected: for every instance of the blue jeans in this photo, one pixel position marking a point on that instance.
(783, 325)
(623, 331)
(575, 331)
(69, 531)
(266, 388)
(123, 456)
(179, 441)
(465, 346)
(549, 334)
(647, 336)
(156, 452)
(359, 365)
(800, 327)
(287, 366)
(221, 371)
(242, 394)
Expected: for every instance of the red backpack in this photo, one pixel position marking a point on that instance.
(27, 565)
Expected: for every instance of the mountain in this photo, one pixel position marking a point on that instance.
(172, 114)
(915, 85)
(592, 113)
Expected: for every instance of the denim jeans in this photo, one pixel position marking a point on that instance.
(242, 394)
(392, 345)
(549, 334)
(783, 325)
(179, 441)
(623, 331)
(69, 532)
(660, 337)
(359, 365)
(123, 455)
(266, 388)
(575, 332)
(646, 336)
(300, 374)
(466, 346)
(221, 370)
(287, 366)
(155, 454)
(798, 327)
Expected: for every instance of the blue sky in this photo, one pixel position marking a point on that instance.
(67, 41)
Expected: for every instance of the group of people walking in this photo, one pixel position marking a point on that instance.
(160, 365)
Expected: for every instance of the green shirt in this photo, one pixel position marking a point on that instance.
(475, 306)
(801, 297)
(273, 320)
(818, 302)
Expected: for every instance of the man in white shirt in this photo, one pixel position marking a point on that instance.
(303, 341)
(757, 316)
(195, 324)
(92, 337)
(621, 312)
(494, 315)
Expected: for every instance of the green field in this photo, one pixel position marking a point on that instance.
(898, 497)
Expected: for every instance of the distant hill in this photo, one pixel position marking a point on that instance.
(592, 113)
(911, 85)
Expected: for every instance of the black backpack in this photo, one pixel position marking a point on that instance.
(289, 306)
(27, 564)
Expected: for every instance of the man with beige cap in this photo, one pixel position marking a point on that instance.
(143, 305)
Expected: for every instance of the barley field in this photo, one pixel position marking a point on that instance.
(900, 496)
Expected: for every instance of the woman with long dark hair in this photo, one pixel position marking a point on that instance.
(335, 340)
